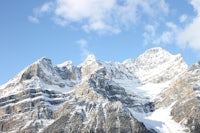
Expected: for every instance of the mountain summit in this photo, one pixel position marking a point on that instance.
(154, 93)
(156, 65)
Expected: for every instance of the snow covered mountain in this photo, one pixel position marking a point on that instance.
(156, 92)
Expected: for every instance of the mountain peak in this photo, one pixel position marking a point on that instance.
(157, 51)
(67, 64)
(43, 61)
(91, 57)
(90, 60)
(43, 58)
(89, 65)
(156, 65)
(157, 56)
(41, 67)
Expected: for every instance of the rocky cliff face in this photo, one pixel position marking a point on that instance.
(98, 96)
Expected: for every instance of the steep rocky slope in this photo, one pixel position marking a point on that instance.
(99, 96)
(183, 94)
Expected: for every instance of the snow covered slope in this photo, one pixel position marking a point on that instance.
(139, 95)
(156, 65)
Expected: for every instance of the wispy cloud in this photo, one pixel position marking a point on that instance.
(46, 7)
(103, 16)
(149, 34)
(33, 19)
(153, 36)
(189, 35)
(83, 45)
(40, 11)
(165, 38)
(186, 35)
(183, 18)
(196, 5)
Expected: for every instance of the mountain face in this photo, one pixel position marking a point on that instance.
(156, 92)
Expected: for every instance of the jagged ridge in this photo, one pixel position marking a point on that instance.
(99, 96)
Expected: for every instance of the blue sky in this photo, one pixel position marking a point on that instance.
(112, 30)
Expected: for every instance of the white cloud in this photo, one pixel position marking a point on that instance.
(151, 35)
(33, 19)
(38, 12)
(165, 38)
(183, 18)
(101, 27)
(104, 16)
(45, 8)
(60, 21)
(93, 15)
(76, 10)
(83, 44)
(171, 26)
(153, 7)
(189, 35)
(196, 5)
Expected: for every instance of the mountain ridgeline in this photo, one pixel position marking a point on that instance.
(154, 93)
